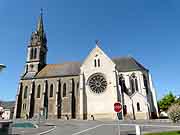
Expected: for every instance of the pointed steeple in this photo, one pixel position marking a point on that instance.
(40, 27)
(37, 48)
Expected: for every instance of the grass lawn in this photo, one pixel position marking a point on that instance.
(165, 133)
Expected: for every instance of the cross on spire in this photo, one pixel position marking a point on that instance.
(97, 42)
(41, 12)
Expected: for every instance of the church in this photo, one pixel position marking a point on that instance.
(86, 90)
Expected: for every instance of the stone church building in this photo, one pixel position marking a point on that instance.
(83, 90)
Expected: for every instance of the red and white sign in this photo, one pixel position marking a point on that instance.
(117, 107)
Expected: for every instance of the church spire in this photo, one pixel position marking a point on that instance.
(37, 48)
(40, 27)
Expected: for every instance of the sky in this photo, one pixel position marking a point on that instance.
(148, 30)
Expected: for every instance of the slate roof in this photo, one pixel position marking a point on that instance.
(64, 69)
(125, 64)
(29, 75)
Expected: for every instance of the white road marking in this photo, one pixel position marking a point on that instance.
(87, 129)
(45, 132)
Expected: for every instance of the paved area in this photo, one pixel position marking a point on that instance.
(110, 127)
(103, 127)
(32, 131)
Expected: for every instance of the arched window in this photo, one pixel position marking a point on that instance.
(133, 83)
(51, 90)
(145, 83)
(98, 62)
(136, 83)
(25, 92)
(38, 91)
(95, 64)
(122, 83)
(138, 107)
(24, 107)
(64, 90)
(124, 109)
(77, 85)
(31, 53)
(35, 53)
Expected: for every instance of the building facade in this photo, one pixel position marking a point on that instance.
(83, 90)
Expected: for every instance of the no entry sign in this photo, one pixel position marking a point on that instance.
(117, 107)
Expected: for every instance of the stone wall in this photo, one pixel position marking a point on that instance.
(53, 103)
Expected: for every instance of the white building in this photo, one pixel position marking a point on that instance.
(83, 90)
(103, 81)
(6, 113)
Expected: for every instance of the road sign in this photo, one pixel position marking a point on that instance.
(117, 107)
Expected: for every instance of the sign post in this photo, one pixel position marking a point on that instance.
(118, 109)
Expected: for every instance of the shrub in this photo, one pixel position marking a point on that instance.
(174, 112)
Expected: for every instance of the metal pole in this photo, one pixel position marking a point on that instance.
(118, 126)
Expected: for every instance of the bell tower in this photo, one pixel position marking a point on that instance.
(37, 49)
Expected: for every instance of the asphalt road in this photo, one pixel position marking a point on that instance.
(76, 127)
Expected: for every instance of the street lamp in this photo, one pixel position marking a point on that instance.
(2, 66)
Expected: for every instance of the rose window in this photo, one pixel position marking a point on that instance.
(97, 83)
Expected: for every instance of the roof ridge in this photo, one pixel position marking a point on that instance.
(137, 63)
(67, 62)
(117, 57)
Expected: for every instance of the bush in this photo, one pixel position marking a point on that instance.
(174, 112)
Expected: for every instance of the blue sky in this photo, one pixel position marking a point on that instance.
(147, 30)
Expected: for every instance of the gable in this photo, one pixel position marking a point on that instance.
(97, 58)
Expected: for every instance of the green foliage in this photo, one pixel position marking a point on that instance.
(165, 133)
(177, 101)
(166, 101)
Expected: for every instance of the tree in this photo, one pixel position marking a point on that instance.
(177, 100)
(166, 101)
(174, 112)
